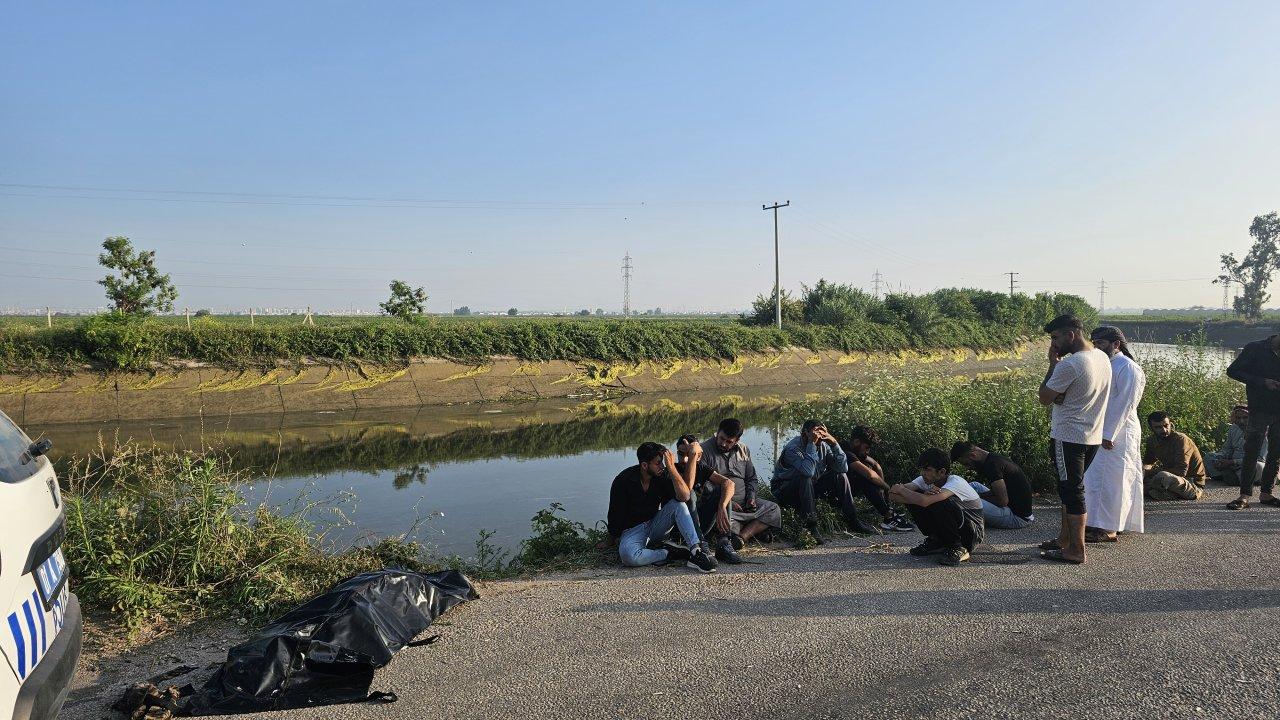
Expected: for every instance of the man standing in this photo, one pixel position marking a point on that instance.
(724, 454)
(1113, 483)
(1258, 367)
(645, 503)
(1227, 464)
(1172, 465)
(811, 466)
(1005, 492)
(1076, 387)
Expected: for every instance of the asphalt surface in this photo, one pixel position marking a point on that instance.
(1178, 623)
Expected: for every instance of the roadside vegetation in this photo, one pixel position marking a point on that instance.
(945, 319)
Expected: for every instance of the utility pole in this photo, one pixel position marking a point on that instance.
(777, 272)
(875, 281)
(1012, 284)
(626, 284)
(1102, 295)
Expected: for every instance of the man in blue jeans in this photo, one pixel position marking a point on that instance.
(646, 501)
(1004, 489)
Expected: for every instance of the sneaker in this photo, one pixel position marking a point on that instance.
(737, 542)
(953, 556)
(677, 553)
(702, 562)
(725, 552)
(897, 523)
(928, 547)
(860, 526)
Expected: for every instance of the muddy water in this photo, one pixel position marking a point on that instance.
(444, 473)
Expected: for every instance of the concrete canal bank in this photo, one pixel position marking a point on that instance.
(201, 391)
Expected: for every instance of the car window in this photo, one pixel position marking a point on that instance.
(13, 445)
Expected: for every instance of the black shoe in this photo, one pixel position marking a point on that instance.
(677, 553)
(737, 542)
(928, 547)
(702, 562)
(726, 554)
(953, 556)
(860, 526)
(897, 523)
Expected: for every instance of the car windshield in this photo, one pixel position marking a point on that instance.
(13, 444)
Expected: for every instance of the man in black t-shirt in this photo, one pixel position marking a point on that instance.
(1005, 492)
(646, 502)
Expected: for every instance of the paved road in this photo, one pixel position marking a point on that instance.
(1178, 623)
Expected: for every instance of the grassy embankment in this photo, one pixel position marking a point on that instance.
(829, 318)
(164, 535)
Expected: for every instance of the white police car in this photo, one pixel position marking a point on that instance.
(39, 617)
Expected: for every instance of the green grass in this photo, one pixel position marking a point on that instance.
(1002, 413)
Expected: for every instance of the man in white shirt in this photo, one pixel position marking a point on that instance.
(945, 508)
(1076, 387)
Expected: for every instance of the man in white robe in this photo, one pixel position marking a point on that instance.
(1113, 483)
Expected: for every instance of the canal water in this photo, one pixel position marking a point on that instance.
(442, 474)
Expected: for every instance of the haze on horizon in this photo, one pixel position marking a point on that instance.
(295, 154)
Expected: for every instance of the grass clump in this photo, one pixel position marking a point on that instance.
(912, 412)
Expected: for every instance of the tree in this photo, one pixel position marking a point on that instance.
(139, 289)
(405, 302)
(600, 312)
(464, 310)
(513, 312)
(584, 312)
(1253, 272)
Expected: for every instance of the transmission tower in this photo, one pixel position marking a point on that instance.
(1102, 296)
(875, 282)
(626, 285)
(1226, 294)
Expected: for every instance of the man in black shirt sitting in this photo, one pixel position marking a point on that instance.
(645, 502)
(1005, 492)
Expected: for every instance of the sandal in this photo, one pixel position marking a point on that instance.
(1100, 537)
(1057, 556)
(1238, 504)
(1050, 545)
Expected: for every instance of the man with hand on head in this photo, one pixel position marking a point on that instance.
(646, 501)
(813, 466)
(713, 492)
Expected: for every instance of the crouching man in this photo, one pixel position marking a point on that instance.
(646, 501)
(945, 508)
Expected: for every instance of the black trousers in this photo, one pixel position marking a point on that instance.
(803, 494)
(1261, 425)
(874, 494)
(947, 524)
(1071, 460)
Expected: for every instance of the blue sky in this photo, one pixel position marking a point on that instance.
(294, 154)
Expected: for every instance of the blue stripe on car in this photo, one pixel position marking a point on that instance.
(20, 641)
(44, 631)
(31, 624)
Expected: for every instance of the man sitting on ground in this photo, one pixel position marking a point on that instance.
(1172, 468)
(1005, 492)
(867, 478)
(1225, 465)
(945, 507)
(724, 454)
(645, 502)
(709, 497)
(811, 466)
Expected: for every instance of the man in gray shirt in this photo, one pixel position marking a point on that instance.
(727, 455)
(811, 466)
(1225, 464)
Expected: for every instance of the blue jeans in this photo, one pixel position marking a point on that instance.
(998, 517)
(633, 545)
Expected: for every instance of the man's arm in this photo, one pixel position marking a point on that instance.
(615, 510)
(999, 493)
(868, 469)
(1242, 368)
(1149, 459)
(837, 461)
(799, 461)
(1182, 465)
(908, 495)
(1051, 387)
(750, 480)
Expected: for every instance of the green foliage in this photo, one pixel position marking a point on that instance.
(512, 312)
(1253, 272)
(157, 536)
(140, 288)
(764, 310)
(464, 311)
(558, 543)
(405, 302)
(118, 345)
(836, 304)
(914, 411)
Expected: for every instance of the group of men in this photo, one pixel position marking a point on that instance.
(700, 504)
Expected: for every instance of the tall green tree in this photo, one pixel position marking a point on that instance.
(405, 302)
(1253, 272)
(138, 288)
